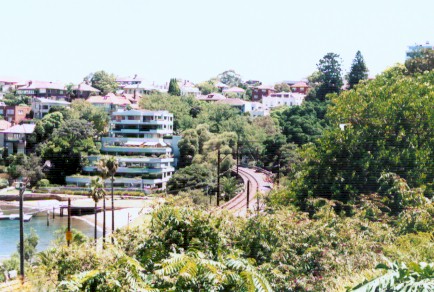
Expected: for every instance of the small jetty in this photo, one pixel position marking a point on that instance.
(79, 210)
(26, 217)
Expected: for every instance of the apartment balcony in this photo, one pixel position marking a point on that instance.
(134, 170)
(134, 159)
(141, 122)
(85, 181)
(138, 150)
(142, 131)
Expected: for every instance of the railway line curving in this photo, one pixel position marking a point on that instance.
(258, 181)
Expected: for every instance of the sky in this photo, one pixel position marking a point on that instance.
(270, 40)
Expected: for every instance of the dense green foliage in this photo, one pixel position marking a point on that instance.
(174, 87)
(23, 166)
(186, 249)
(13, 99)
(66, 148)
(358, 71)
(388, 129)
(230, 78)
(420, 61)
(302, 124)
(329, 78)
(103, 81)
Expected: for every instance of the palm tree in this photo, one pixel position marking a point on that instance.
(112, 166)
(102, 167)
(108, 166)
(97, 193)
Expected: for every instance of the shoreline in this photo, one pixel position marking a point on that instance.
(126, 211)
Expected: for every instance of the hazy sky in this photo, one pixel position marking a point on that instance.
(270, 40)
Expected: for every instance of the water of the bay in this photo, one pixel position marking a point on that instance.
(9, 231)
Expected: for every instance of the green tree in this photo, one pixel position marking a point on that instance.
(229, 187)
(330, 76)
(12, 99)
(30, 167)
(387, 129)
(280, 156)
(108, 167)
(282, 87)
(67, 147)
(188, 147)
(174, 87)
(195, 176)
(207, 87)
(104, 81)
(179, 106)
(84, 110)
(45, 127)
(30, 243)
(420, 61)
(358, 71)
(302, 124)
(97, 192)
(230, 78)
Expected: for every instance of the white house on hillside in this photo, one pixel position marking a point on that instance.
(41, 106)
(283, 99)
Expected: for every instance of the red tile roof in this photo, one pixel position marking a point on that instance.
(109, 99)
(33, 84)
(84, 87)
(300, 84)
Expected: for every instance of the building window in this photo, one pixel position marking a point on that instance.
(20, 112)
(10, 112)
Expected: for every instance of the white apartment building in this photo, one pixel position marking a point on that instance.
(41, 106)
(283, 99)
(143, 145)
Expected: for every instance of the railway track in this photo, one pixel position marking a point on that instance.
(238, 204)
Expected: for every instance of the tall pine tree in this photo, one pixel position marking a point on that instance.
(174, 87)
(330, 77)
(358, 71)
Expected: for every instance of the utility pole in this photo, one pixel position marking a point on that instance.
(248, 195)
(113, 210)
(218, 177)
(238, 162)
(22, 188)
(257, 198)
(68, 233)
(103, 222)
(278, 173)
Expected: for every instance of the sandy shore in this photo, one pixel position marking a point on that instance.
(126, 211)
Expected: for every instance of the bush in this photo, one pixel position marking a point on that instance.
(412, 247)
(43, 183)
(416, 220)
(4, 183)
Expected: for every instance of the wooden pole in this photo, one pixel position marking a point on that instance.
(22, 190)
(257, 199)
(103, 222)
(248, 195)
(69, 222)
(96, 220)
(238, 162)
(218, 177)
(113, 210)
